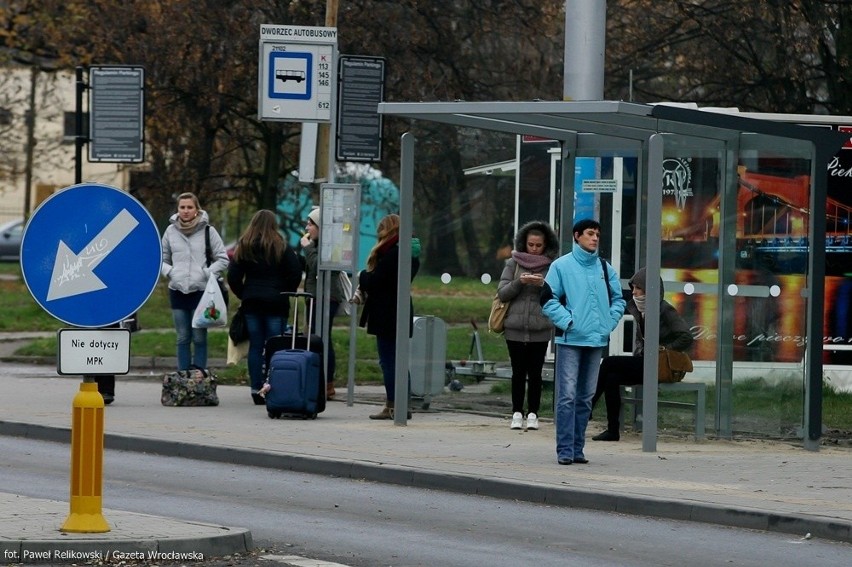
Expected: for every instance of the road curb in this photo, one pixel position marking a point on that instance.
(133, 537)
(796, 524)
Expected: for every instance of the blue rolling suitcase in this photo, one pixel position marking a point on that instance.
(294, 370)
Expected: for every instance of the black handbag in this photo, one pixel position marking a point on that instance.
(238, 331)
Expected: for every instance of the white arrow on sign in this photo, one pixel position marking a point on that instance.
(73, 273)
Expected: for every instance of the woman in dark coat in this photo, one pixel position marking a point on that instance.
(379, 283)
(526, 329)
(263, 268)
(619, 371)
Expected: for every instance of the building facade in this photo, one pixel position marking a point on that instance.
(38, 159)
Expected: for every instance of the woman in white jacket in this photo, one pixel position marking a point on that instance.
(187, 265)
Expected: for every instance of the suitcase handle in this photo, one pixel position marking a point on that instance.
(306, 296)
(297, 294)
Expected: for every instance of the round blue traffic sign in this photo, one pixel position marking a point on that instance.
(90, 255)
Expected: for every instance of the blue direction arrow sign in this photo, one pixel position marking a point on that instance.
(91, 255)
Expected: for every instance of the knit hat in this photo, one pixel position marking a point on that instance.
(314, 215)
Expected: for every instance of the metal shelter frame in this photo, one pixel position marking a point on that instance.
(612, 129)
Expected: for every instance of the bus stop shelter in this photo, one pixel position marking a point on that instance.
(732, 148)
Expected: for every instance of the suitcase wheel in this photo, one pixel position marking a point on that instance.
(273, 414)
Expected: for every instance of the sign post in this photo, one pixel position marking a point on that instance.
(341, 217)
(90, 257)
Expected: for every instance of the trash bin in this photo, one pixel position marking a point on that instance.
(428, 358)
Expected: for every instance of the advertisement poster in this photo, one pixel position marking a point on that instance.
(772, 248)
(772, 221)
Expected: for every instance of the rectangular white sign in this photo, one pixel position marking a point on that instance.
(600, 185)
(297, 73)
(93, 351)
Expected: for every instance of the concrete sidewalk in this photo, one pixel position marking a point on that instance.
(752, 484)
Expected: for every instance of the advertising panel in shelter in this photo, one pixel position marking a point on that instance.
(772, 222)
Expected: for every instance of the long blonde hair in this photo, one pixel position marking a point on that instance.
(261, 239)
(388, 228)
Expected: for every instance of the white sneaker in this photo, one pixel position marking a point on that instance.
(532, 421)
(517, 421)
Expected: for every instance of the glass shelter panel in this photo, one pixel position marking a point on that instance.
(734, 261)
(774, 182)
(693, 186)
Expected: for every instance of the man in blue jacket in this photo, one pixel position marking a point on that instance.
(582, 296)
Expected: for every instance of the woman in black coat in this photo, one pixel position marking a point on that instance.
(263, 268)
(619, 371)
(380, 283)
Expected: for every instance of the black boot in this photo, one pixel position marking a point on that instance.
(607, 435)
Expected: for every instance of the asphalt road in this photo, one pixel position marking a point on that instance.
(365, 524)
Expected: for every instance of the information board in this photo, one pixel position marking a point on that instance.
(340, 222)
(296, 82)
(359, 125)
(117, 114)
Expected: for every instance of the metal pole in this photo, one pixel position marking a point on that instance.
(403, 298)
(585, 37)
(652, 152)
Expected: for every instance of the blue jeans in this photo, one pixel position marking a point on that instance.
(260, 328)
(186, 335)
(576, 381)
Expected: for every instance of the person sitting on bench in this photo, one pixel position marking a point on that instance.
(617, 371)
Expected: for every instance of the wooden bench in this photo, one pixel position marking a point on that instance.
(631, 396)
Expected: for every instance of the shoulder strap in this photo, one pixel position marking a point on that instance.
(606, 281)
(207, 252)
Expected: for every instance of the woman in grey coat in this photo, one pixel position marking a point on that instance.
(526, 329)
(187, 265)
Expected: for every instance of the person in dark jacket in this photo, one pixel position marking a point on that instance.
(619, 371)
(310, 252)
(380, 284)
(526, 329)
(263, 268)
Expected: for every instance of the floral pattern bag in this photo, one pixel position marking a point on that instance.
(195, 387)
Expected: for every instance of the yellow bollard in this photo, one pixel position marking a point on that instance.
(87, 459)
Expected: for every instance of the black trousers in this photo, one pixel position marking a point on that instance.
(527, 362)
(616, 371)
(106, 384)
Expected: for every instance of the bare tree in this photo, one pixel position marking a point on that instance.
(771, 56)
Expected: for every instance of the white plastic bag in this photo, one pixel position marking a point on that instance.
(211, 310)
(346, 284)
